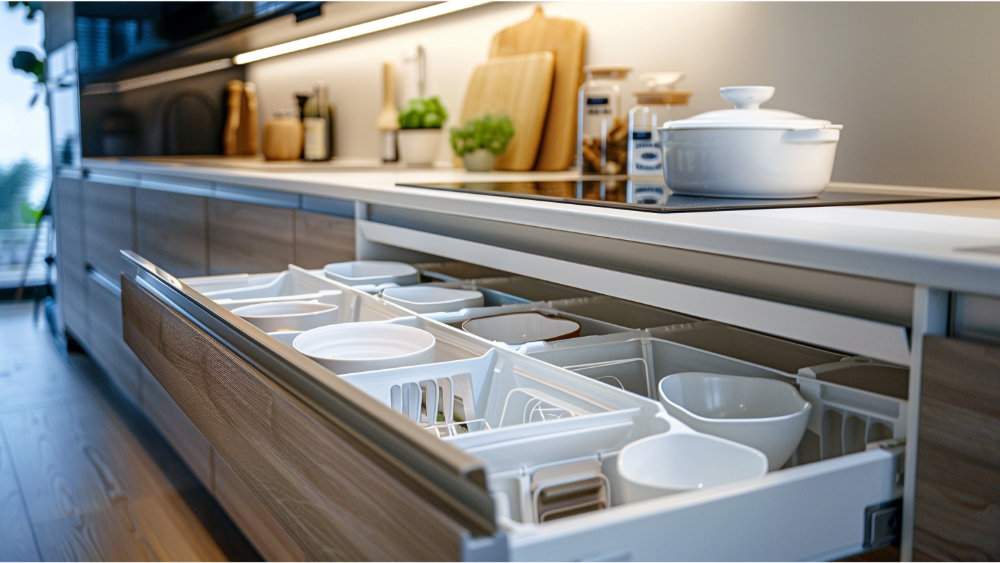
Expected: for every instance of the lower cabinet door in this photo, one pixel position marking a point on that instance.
(104, 340)
(176, 427)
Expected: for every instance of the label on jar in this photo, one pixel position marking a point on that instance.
(315, 138)
(645, 158)
(598, 106)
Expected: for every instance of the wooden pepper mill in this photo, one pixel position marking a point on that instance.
(242, 121)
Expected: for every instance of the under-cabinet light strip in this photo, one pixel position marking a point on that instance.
(155, 78)
(366, 28)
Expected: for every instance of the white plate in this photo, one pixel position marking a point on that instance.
(430, 299)
(372, 272)
(356, 347)
(765, 414)
(289, 315)
(518, 328)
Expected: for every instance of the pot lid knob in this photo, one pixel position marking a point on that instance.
(747, 97)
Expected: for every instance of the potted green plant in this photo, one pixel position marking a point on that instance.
(420, 123)
(481, 140)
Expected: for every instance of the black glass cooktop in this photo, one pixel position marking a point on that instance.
(655, 197)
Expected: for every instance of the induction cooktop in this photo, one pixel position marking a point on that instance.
(656, 197)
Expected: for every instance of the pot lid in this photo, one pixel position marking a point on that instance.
(607, 70)
(748, 113)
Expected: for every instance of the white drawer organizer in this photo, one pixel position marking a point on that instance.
(549, 427)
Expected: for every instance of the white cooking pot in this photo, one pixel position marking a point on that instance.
(748, 152)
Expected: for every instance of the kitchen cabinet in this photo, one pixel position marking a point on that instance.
(249, 238)
(957, 509)
(322, 239)
(176, 427)
(105, 342)
(71, 266)
(109, 226)
(173, 228)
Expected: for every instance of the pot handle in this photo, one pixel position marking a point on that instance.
(811, 136)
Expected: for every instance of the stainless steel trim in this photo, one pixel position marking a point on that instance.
(104, 281)
(455, 477)
(258, 196)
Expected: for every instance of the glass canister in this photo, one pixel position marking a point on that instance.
(602, 132)
(652, 110)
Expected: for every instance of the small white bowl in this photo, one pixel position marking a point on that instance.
(356, 347)
(518, 328)
(430, 299)
(765, 414)
(671, 463)
(289, 315)
(375, 272)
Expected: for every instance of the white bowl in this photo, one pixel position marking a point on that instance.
(364, 272)
(518, 328)
(289, 315)
(430, 299)
(355, 347)
(672, 463)
(765, 414)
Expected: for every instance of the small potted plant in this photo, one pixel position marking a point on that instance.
(420, 123)
(481, 140)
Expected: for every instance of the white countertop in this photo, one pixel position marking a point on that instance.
(917, 243)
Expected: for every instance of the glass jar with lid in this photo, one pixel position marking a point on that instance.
(602, 132)
(652, 110)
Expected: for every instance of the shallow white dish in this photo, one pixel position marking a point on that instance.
(371, 272)
(765, 414)
(356, 347)
(289, 315)
(430, 299)
(671, 463)
(518, 328)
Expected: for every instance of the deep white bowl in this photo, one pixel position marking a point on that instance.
(289, 315)
(431, 299)
(518, 328)
(765, 414)
(356, 347)
(364, 272)
(671, 463)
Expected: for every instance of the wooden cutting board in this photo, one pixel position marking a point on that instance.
(519, 86)
(567, 40)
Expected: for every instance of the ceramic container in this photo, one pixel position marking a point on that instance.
(418, 147)
(676, 462)
(518, 328)
(430, 299)
(372, 272)
(765, 414)
(289, 315)
(357, 347)
(479, 160)
(749, 152)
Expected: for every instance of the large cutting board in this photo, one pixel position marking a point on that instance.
(566, 39)
(519, 86)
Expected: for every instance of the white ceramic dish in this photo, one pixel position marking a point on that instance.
(518, 328)
(430, 299)
(372, 272)
(765, 414)
(289, 315)
(749, 152)
(357, 347)
(675, 462)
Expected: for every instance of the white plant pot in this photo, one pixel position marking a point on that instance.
(479, 160)
(418, 147)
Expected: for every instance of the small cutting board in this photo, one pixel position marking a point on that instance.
(519, 86)
(566, 39)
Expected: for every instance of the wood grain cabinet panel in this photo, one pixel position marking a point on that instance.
(249, 238)
(336, 496)
(172, 231)
(109, 226)
(71, 263)
(957, 508)
(322, 239)
(105, 342)
(176, 427)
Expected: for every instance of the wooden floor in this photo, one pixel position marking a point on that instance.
(83, 475)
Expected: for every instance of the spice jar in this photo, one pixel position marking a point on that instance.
(652, 110)
(602, 133)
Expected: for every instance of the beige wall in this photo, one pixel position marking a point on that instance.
(911, 82)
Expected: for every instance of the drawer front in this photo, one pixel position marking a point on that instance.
(71, 268)
(248, 238)
(322, 239)
(332, 492)
(957, 508)
(105, 342)
(176, 427)
(109, 226)
(172, 230)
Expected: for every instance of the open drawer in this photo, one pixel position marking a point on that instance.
(356, 466)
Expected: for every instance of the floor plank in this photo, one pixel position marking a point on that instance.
(17, 541)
